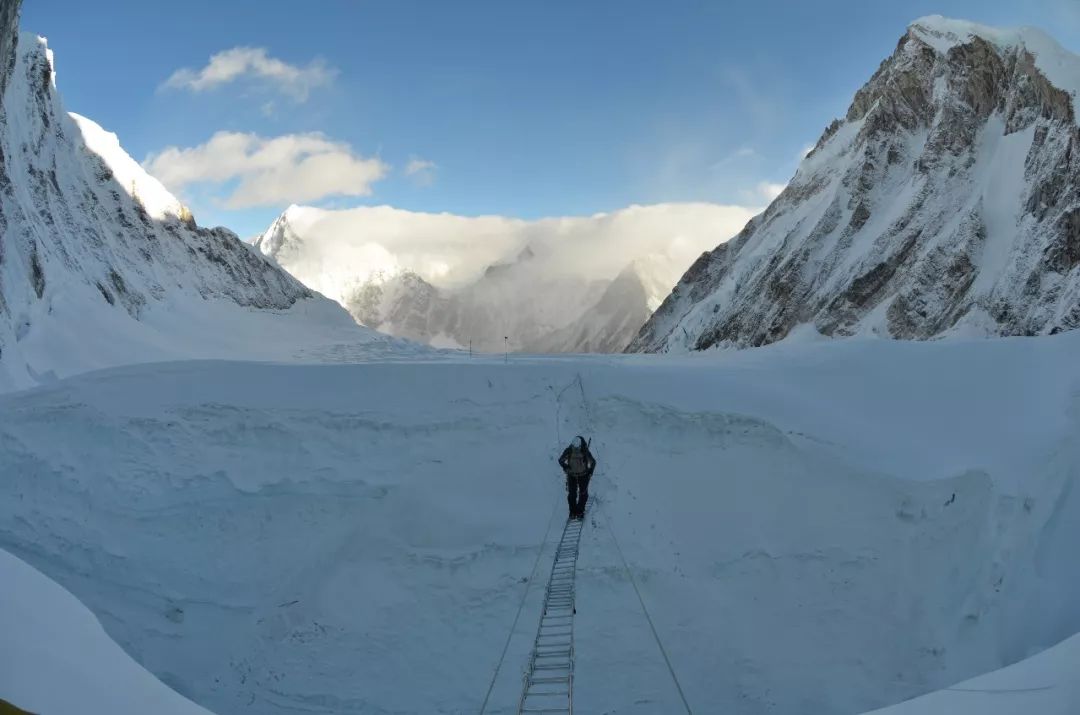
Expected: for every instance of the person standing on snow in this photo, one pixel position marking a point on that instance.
(578, 464)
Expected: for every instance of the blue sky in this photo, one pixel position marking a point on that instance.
(524, 109)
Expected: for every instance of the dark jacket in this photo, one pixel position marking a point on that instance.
(590, 461)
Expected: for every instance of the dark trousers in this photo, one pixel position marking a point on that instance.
(577, 493)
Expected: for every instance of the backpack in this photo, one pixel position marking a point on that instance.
(577, 463)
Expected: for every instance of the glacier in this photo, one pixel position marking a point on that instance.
(358, 538)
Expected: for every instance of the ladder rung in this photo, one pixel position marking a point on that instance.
(550, 676)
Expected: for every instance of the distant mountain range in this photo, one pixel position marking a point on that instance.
(550, 292)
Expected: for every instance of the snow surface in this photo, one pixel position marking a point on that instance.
(820, 528)
(57, 659)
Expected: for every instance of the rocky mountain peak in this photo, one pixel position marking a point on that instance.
(946, 199)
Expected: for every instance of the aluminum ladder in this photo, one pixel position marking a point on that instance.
(549, 677)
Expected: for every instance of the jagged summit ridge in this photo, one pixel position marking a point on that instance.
(1057, 64)
(946, 200)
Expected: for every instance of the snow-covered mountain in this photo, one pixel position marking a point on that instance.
(100, 265)
(582, 284)
(947, 200)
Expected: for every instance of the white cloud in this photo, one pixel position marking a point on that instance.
(344, 247)
(285, 169)
(422, 171)
(254, 62)
(806, 151)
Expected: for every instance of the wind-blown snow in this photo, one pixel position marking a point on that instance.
(357, 538)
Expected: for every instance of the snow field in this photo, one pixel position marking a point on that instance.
(813, 528)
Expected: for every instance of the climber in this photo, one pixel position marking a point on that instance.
(578, 464)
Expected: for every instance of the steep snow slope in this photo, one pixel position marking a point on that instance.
(358, 538)
(100, 265)
(57, 659)
(453, 280)
(947, 200)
